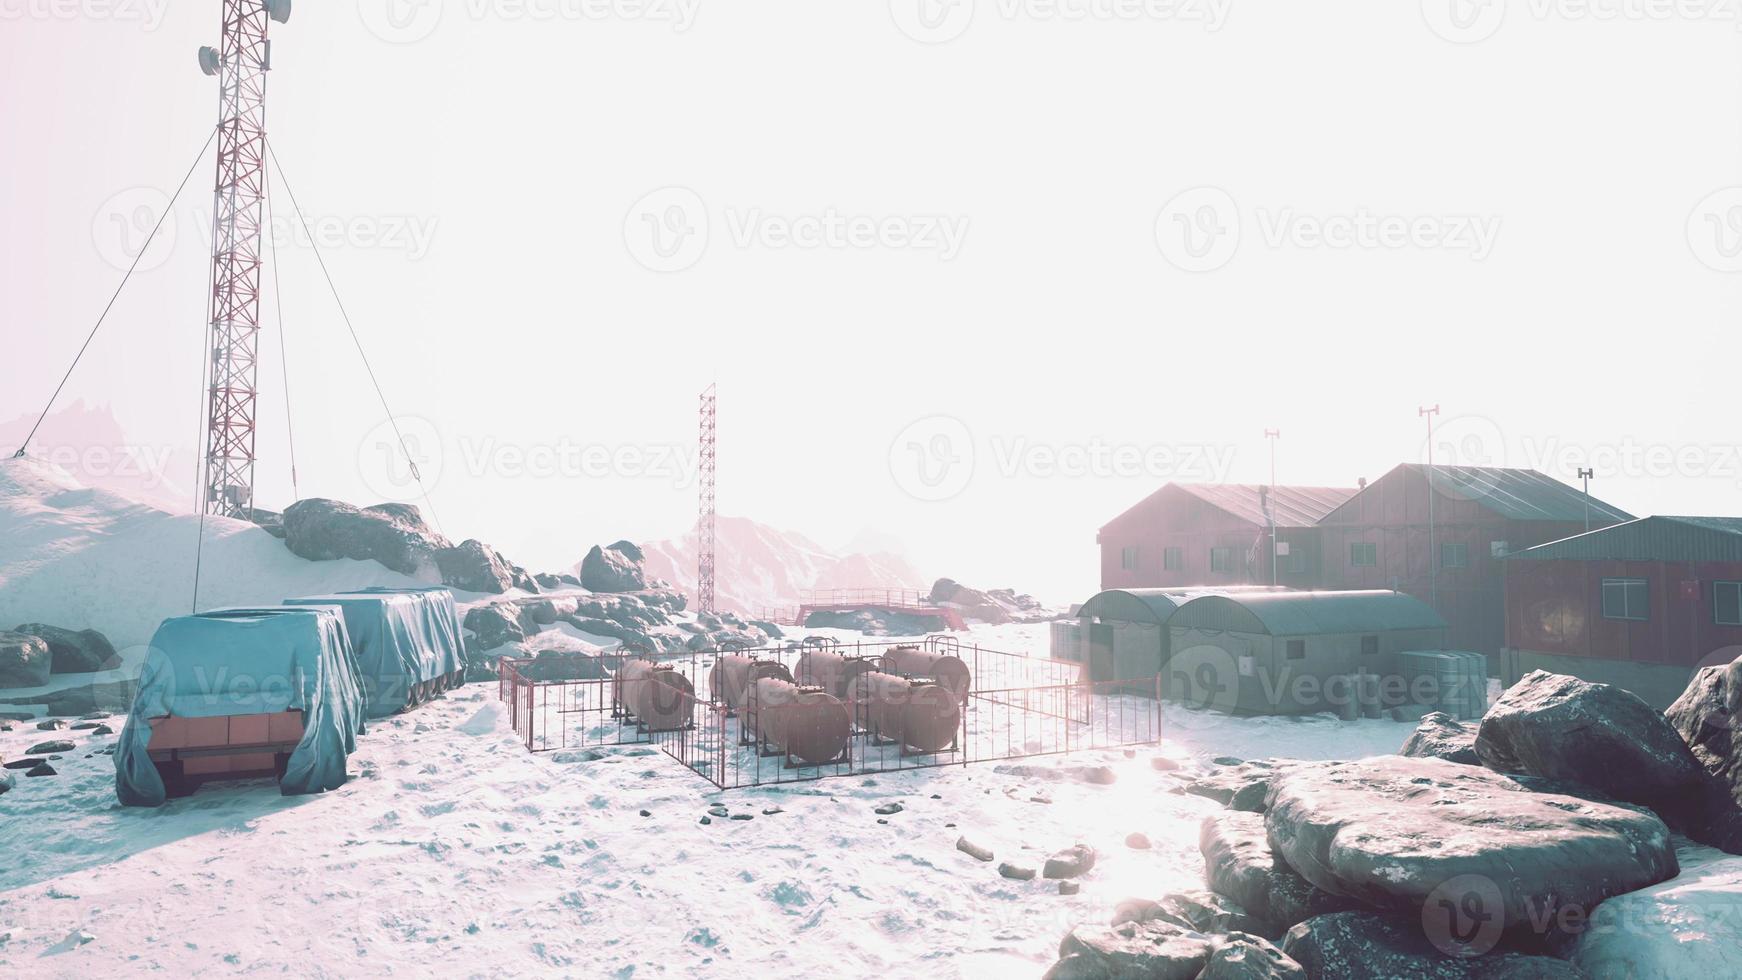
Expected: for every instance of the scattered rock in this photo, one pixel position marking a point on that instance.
(1440, 736)
(393, 534)
(1100, 775)
(718, 810)
(616, 568)
(1162, 763)
(1391, 831)
(743, 816)
(771, 811)
(1137, 841)
(1239, 865)
(473, 566)
(41, 769)
(1016, 871)
(1072, 862)
(25, 661)
(1369, 946)
(49, 748)
(1131, 949)
(973, 850)
(706, 820)
(1070, 887)
(647, 813)
(74, 652)
(25, 763)
(1603, 736)
(1226, 760)
(102, 730)
(8, 779)
(1242, 956)
(84, 726)
(1242, 786)
(51, 725)
(888, 808)
(1199, 911)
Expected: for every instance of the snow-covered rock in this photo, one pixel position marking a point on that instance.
(474, 566)
(74, 651)
(1689, 926)
(25, 661)
(614, 568)
(1368, 946)
(1706, 716)
(1440, 736)
(393, 534)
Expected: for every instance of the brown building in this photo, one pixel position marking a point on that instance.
(1217, 535)
(1640, 605)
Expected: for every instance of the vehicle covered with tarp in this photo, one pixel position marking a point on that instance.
(236, 693)
(408, 643)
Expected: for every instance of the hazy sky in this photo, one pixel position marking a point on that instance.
(978, 275)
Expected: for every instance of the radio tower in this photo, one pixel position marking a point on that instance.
(240, 63)
(705, 509)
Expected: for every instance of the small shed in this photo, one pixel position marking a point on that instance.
(1123, 632)
(1261, 653)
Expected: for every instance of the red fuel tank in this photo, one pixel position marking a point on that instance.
(658, 696)
(733, 675)
(948, 671)
(807, 723)
(921, 715)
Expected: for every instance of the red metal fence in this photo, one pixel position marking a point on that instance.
(1017, 707)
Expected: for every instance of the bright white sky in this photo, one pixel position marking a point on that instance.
(1024, 282)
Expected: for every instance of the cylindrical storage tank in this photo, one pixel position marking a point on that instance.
(733, 674)
(658, 696)
(806, 723)
(948, 671)
(831, 671)
(921, 715)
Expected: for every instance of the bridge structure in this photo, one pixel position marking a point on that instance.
(908, 601)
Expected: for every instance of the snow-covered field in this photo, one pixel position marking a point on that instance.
(453, 851)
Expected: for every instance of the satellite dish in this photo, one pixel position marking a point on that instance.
(209, 60)
(278, 10)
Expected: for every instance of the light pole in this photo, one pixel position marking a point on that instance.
(1433, 558)
(1585, 474)
(1270, 512)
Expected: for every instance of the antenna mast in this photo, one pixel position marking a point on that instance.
(705, 508)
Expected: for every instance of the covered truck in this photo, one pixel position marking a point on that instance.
(408, 643)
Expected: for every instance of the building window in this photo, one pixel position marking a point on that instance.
(1625, 598)
(1128, 558)
(1369, 646)
(1221, 559)
(1727, 603)
(1454, 555)
(1173, 559)
(1297, 649)
(1363, 554)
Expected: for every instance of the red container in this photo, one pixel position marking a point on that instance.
(919, 714)
(807, 723)
(658, 696)
(948, 671)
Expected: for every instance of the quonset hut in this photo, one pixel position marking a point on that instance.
(1121, 634)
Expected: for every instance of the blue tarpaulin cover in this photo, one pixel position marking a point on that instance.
(248, 662)
(402, 637)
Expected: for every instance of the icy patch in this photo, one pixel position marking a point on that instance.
(485, 721)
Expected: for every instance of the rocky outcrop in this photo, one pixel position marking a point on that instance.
(995, 606)
(24, 661)
(1560, 727)
(1395, 833)
(614, 568)
(876, 622)
(1244, 786)
(551, 582)
(1240, 865)
(1706, 716)
(270, 521)
(1131, 949)
(393, 534)
(1368, 946)
(1239, 956)
(1440, 736)
(1072, 862)
(1687, 927)
(474, 566)
(1200, 911)
(74, 651)
(494, 624)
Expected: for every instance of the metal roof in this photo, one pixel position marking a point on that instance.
(1650, 539)
(1522, 495)
(1307, 613)
(1153, 605)
(1294, 506)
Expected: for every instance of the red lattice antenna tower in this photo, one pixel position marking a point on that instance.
(705, 508)
(240, 63)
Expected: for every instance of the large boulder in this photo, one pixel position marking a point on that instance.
(25, 660)
(1686, 927)
(1198, 910)
(474, 566)
(75, 652)
(1561, 727)
(1706, 716)
(614, 568)
(392, 534)
(495, 624)
(1072, 862)
(1239, 956)
(270, 521)
(1405, 834)
(1240, 865)
(1155, 949)
(973, 603)
(1440, 736)
(1369, 946)
(1245, 786)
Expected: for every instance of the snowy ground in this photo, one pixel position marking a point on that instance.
(454, 851)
